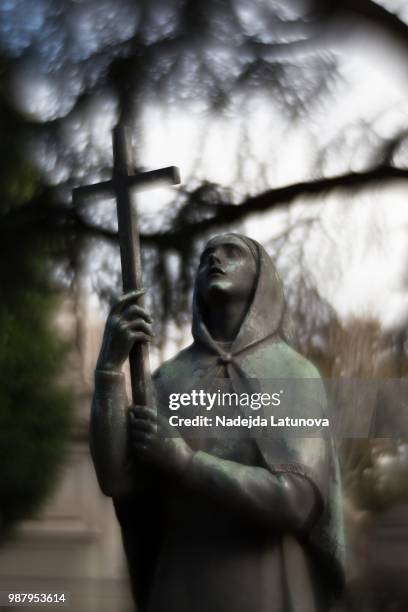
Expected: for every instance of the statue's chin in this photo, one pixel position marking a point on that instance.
(217, 288)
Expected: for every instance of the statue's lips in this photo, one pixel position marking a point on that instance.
(216, 271)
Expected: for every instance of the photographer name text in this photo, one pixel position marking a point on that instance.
(247, 422)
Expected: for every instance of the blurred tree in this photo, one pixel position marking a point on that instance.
(35, 411)
(74, 69)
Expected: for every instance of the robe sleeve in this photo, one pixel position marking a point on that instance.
(281, 502)
(108, 434)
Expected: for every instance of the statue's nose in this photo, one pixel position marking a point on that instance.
(215, 258)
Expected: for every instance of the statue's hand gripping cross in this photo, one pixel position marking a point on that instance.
(129, 241)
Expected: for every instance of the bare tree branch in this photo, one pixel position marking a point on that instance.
(327, 11)
(48, 218)
(377, 14)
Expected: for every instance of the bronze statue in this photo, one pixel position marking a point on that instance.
(218, 525)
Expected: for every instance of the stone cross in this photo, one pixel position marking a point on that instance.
(120, 184)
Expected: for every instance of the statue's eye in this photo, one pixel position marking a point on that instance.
(233, 251)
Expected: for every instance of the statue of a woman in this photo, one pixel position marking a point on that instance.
(213, 525)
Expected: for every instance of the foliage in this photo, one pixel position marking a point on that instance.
(35, 410)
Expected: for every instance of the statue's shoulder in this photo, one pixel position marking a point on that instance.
(304, 367)
(177, 366)
(288, 362)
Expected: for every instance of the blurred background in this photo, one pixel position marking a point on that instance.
(288, 120)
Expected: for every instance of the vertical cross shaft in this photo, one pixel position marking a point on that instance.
(130, 246)
(127, 220)
(131, 264)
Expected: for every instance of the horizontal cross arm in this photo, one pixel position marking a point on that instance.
(170, 174)
(103, 188)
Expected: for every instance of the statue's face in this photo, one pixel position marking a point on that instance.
(227, 269)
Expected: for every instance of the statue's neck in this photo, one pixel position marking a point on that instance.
(225, 319)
